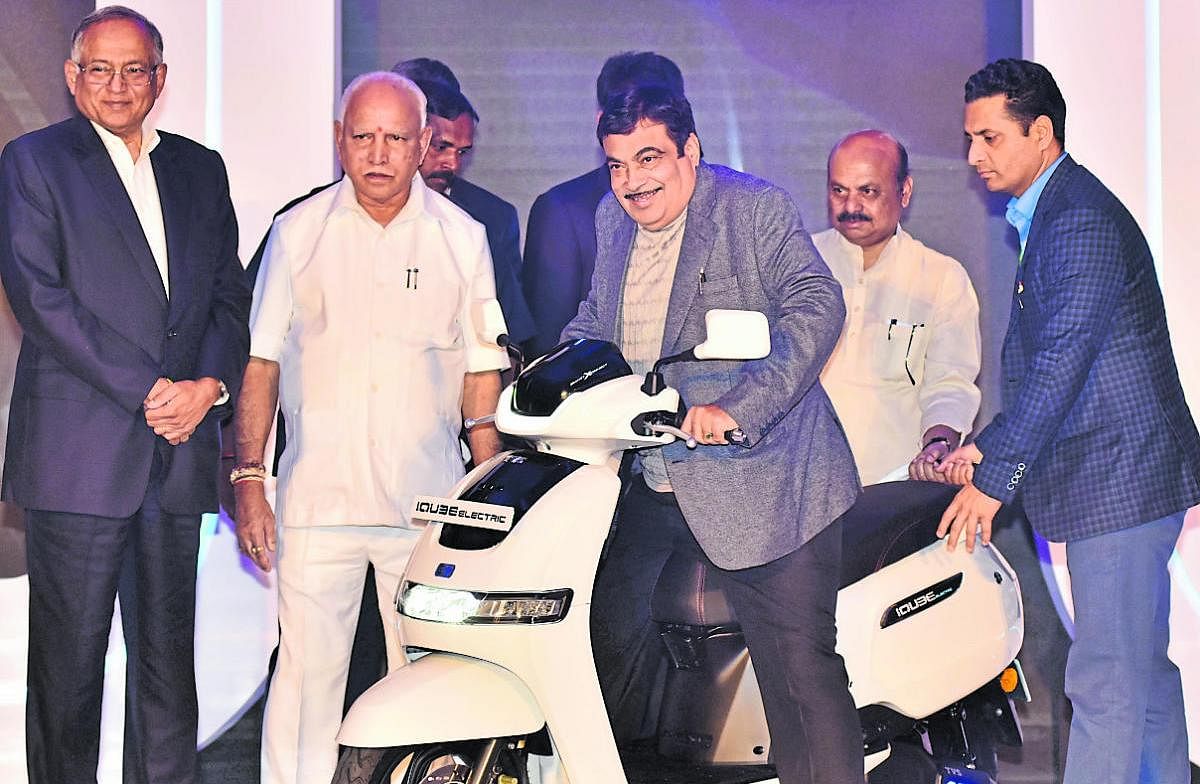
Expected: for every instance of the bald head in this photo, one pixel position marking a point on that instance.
(868, 188)
(879, 143)
(402, 85)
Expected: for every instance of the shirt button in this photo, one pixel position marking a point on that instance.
(172, 333)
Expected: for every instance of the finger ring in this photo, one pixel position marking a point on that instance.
(708, 435)
(255, 550)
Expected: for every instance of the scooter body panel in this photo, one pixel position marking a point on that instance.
(444, 698)
(979, 626)
(916, 638)
(555, 545)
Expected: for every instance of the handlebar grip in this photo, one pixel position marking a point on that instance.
(735, 436)
(686, 438)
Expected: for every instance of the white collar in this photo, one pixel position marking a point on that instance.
(116, 145)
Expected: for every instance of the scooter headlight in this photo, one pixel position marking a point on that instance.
(449, 605)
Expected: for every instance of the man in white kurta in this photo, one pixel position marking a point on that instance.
(363, 315)
(902, 377)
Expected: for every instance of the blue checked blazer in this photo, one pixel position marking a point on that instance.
(1095, 434)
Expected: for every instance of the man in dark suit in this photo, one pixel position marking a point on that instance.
(119, 256)
(453, 121)
(560, 236)
(682, 237)
(1095, 438)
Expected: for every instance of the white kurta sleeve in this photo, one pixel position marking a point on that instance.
(481, 354)
(949, 395)
(271, 312)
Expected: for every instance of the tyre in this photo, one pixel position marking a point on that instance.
(443, 763)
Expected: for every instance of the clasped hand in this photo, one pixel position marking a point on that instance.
(972, 511)
(174, 409)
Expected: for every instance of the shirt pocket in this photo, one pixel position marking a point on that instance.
(424, 313)
(898, 350)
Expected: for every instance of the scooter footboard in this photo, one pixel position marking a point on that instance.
(441, 697)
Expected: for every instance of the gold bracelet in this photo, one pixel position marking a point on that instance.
(250, 471)
(247, 478)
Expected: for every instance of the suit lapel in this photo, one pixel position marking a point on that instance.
(173, 195)
(1058, 181)
(698, 235)
(114, 199)
(619, 243)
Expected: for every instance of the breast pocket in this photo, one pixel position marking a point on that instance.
(898, 350)
(424, 313)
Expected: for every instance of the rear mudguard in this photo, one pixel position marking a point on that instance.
(441, 697)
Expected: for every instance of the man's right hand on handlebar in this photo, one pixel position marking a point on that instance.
(708, 424)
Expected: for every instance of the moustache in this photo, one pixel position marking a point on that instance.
(853, 216)
(440, 175)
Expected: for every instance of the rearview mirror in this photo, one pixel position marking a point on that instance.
(734, 334)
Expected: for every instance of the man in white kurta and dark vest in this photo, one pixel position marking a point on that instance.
(362, 333)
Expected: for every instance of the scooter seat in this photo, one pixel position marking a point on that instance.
(888, 522)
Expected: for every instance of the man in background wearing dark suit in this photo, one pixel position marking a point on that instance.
(1095, 437)
(119, 257)
(453, 121)
(560, 237)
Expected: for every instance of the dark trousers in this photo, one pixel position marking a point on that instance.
(787, 612)
(74, 565)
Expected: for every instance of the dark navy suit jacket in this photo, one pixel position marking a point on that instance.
(98, 328)
(1095, 433)
(504, 241)
(560, 254)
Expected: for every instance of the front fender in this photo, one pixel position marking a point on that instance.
(441, 697)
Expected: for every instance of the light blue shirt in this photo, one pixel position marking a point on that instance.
(1020, 209)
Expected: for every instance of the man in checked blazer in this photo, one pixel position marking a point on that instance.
(1095, 438)
(677, 238)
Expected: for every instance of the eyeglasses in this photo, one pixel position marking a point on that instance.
(134, 74)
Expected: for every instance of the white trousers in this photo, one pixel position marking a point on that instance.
(321, 573)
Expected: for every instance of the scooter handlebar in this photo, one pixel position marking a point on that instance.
(682, 435)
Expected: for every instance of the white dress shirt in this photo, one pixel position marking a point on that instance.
(373, 330)
(138, 179)
(908, 355)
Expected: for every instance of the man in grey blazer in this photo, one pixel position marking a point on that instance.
(677, 238)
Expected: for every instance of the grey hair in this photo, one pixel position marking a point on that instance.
(401, 83)
(115, 12)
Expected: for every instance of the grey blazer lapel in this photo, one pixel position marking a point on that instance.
(112, 197)
(612, 257)
(697, 245)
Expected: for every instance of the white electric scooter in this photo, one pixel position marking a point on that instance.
(495, 603)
